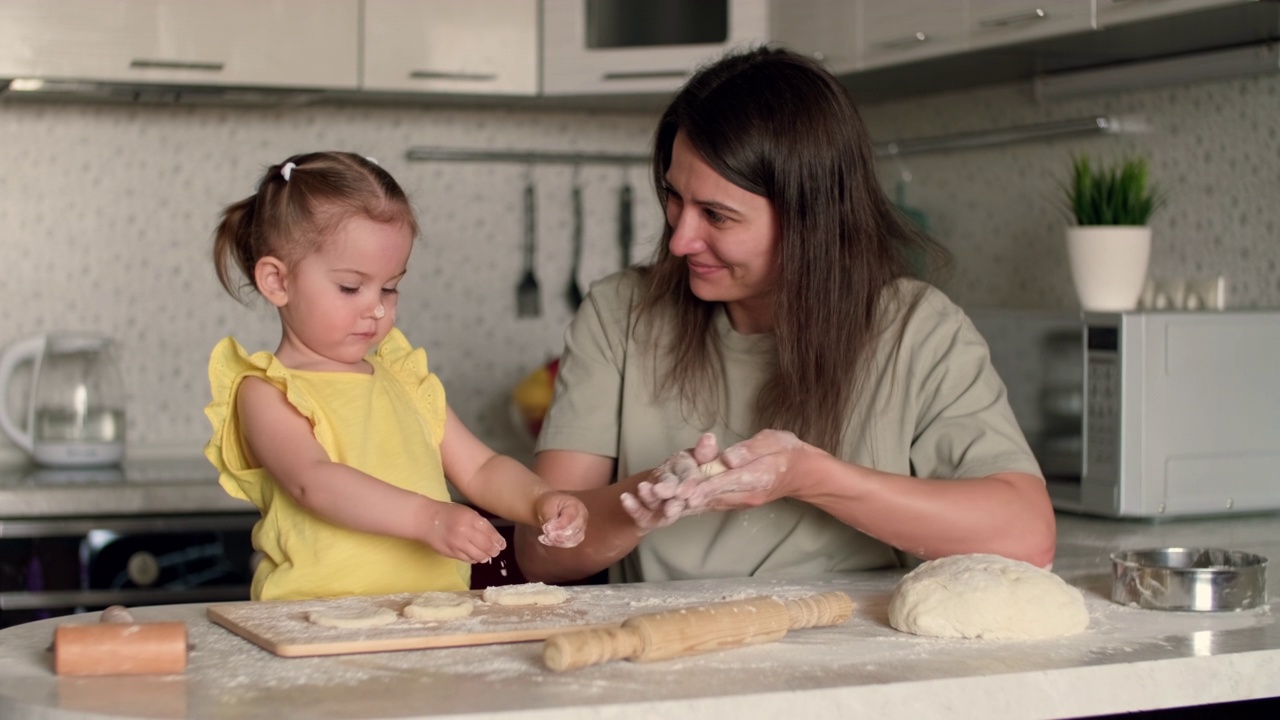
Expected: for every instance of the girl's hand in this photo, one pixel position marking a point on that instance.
(759, 471)
(456, 531)
(563, 518)
(661, 502)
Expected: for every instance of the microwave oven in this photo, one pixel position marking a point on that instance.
(1169, 414)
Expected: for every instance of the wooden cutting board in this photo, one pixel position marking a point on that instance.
(282, 627)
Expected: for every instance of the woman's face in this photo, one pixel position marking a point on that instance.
(727, 236)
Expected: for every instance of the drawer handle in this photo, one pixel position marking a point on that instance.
(442, 75)
(143, 63)
(1034, 16)
(909, 41)
(646, 75)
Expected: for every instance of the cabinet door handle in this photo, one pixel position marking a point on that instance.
(646, 75)
(1034, 16)
(908, 41)
(443, 75)
(145, 63)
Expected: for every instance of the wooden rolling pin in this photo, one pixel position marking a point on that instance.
(120, 646)
(706, 628)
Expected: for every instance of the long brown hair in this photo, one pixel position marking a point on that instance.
(779, 125)
(297, 205)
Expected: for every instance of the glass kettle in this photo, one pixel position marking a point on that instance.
(75, 409)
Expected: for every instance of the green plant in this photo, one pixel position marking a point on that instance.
(1118, 195)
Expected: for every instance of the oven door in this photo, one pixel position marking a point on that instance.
(51, 567)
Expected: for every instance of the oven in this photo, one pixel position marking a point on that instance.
(58, 566)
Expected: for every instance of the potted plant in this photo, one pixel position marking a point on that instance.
(1109, 246)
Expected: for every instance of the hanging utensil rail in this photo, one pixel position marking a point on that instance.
(523, 156)
(1100, 125)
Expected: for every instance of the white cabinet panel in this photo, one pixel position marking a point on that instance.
(228, 42)
(570, 66)
(901, 31)
(451, 46)
(1003, 22)
(1116, 12)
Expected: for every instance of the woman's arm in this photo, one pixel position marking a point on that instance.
(1005, 514)
(280, 440)
(508, 489)
(611, 534)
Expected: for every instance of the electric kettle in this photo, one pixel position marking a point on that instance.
(75, 409)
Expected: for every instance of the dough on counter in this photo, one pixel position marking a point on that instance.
(525, 594)
(434, 606)
(988, 597)
(359, 618)
(713, 468)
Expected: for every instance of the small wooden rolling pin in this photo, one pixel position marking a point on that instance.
(120, 646)
(706, 628)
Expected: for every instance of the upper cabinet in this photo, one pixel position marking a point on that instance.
(1004, 22)
(892, 32)
(229, 42)
(1117, 12)
(451, 46)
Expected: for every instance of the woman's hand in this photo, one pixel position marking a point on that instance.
(760, 470)
(664, 500)
(456, 531)
(563, 518)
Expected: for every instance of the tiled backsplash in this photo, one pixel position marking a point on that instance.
(106, 214)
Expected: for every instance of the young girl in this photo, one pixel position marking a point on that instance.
(342, 437)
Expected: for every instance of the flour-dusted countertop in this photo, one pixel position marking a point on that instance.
(163, 486)
(1129, 659)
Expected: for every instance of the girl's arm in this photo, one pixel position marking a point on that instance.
(507, 488)
(609, 537)
(280, 440)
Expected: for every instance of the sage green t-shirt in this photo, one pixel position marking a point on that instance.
(932, 407)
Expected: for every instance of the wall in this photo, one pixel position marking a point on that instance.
(106, 213)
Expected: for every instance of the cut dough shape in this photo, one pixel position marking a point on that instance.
(361, 618)
(525, 594)
(713, 468)
(988, 597)
(436, 606)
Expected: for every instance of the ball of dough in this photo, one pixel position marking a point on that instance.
(713, 468)
(988, 597)
(435, 606)
(525, 594)
(361, 618)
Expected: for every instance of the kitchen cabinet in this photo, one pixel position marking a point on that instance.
(451, 46)
(1116, 12)
(893, 32)
(224, 43)
(1004, 22)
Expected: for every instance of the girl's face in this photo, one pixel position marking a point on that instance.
(341, 299)
(727, 236)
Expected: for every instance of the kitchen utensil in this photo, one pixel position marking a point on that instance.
(118, 645)
(528, 298)
(1201, 579)
(573, 294)
(75, 411)
(625, 231)
(676, 633)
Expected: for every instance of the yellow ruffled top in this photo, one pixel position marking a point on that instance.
(388, 424)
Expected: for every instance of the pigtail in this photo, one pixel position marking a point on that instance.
(233, 246)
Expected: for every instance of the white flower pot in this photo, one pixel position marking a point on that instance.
(1109, 265)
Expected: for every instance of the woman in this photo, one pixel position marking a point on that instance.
(861, 417)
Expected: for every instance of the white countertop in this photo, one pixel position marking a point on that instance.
(1129, 659)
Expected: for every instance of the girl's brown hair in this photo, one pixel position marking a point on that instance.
(779, 125)
(298, 204)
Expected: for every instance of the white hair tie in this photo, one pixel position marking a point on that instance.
(286, 170)
(372, 160)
